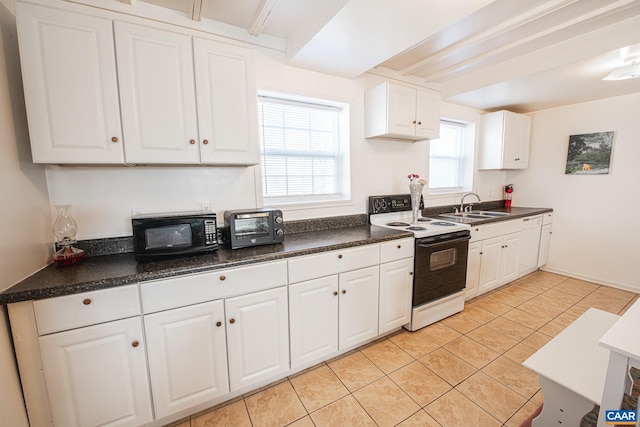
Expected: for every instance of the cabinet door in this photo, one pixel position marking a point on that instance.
(510, 257)
(155, 70)
(473, 269)
(257, 336)
(516, 134)
(428, 114)
(490, 265)
(396, 285)
(401, 110)
(227, 103)
(313, 314)
(187, 356)
(545, 242)
(70, 86)
(98, 375)
(358, 306)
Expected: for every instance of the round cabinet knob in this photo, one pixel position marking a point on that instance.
(419, 123)
(205, 141)
(340, 256)
(86, 301)
(135, 344)
(114, 139)
(232, 321)
(335, 293)
(344, 291)
(223, 278)
(414, 122)
(399, 246)
(279, 232)
(192, 141)
(278, 220)
(411, 273)
(218, 324)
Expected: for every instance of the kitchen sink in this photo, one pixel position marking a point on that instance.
(476, 214)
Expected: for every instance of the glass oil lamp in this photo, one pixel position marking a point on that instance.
(65, 229)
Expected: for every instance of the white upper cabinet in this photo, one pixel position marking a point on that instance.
(401, 112)
(157, 94)
(70, 86)
(227, 103)
(180, 99)
(504, 140)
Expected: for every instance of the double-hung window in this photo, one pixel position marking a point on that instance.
(450, 164)
(303, 150)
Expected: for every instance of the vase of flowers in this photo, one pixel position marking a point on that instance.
(416, 186)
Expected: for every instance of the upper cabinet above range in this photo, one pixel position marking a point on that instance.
(181, 99)
(395, 111)
(504, 141)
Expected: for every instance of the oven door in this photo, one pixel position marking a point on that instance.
(440, 268)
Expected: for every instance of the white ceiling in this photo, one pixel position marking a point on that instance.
(522, 55)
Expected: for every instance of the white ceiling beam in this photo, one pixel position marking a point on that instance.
(262, 16)
(196, 14)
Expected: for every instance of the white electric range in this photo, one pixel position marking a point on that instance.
(440, 258)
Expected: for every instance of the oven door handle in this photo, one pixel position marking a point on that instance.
(446, 242)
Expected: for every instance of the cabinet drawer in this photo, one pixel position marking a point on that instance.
(196, 288)
(398, 249)
(333, 262)
(88, 308)
(531, 222)
(547, 218)
(476, 233)
(501, 228)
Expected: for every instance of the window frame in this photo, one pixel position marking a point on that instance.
(342, 175)
(465, 159)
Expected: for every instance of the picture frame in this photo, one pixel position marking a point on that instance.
(589, 153)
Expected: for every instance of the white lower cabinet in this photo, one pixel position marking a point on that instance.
(97, 375)
(358, 308)
(545, 238)
(257, 336)
(500, 260)
(187, 351)
(396, 288)
(313, 314)
(474, 258)
(332, 313)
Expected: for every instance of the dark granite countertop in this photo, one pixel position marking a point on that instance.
(106, 271)
(514, 213)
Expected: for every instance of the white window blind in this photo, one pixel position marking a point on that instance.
(446, 157)
(300, 149)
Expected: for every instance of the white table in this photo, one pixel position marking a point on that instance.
(623, 340)
(572, 369)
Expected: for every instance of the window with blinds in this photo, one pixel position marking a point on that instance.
(300, 150)
(447, 158)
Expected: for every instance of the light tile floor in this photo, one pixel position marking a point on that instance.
(462, 371)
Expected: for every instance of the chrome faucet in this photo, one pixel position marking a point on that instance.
(465, 195)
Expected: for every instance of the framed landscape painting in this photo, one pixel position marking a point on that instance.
(589, 153)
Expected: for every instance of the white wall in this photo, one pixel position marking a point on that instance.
(24, 219)
(103, 197)
(595, 232)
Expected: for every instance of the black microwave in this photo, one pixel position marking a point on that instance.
(245, 228)
(161, 236)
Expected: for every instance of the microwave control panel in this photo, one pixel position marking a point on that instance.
(210, 232)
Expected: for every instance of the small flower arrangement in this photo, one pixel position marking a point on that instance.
(414, 178)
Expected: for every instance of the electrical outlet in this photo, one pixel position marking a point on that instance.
(489, 194)
(206, 207)
(137, 211)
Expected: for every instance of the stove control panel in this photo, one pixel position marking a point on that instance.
(393, 203)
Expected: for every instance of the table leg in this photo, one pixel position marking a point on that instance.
(614, 385)
(561, 406)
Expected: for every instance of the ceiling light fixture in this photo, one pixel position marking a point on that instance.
(630, 70)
